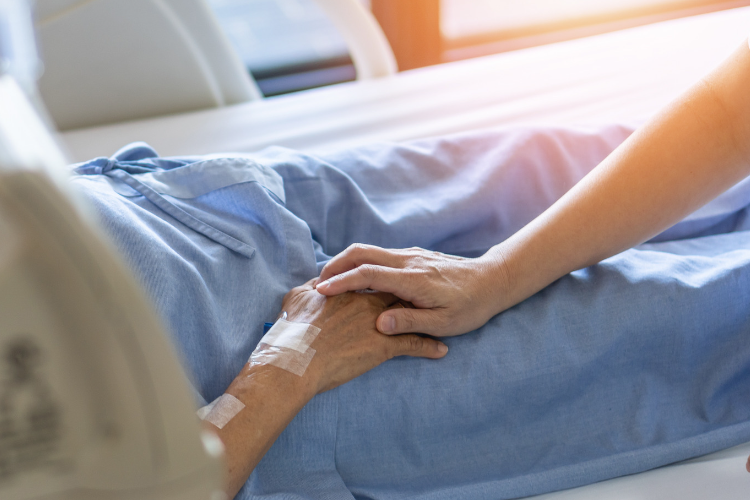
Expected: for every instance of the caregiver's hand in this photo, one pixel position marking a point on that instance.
(453, 295)
(348, 344)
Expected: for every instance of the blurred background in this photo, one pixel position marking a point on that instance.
(289, 45)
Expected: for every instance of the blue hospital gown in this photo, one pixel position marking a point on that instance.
(639, 361)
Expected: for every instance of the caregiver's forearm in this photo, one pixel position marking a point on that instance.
(696, 148)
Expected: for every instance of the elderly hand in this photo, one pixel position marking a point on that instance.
(348, 344)
(452, 295)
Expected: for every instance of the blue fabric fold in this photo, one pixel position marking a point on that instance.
(192, 222)
(639, 361)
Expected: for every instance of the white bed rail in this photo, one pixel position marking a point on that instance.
(369, 48)
(109, 61)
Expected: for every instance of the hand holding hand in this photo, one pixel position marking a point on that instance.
(348, 344)
(452, 295)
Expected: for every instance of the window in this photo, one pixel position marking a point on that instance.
(290, 45)
(477, 27)
(287, 45)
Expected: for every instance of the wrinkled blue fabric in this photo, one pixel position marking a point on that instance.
(636, 362)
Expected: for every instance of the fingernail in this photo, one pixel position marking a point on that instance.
(322, 284)
(442, 348)
(388, 324)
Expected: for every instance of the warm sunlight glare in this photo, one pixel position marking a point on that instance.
(462, 18)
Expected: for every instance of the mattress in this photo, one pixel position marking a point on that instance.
(720, 475)
(624, 76)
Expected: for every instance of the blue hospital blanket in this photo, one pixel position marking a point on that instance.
(639, 361)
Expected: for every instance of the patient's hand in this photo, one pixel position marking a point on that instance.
(348, 344)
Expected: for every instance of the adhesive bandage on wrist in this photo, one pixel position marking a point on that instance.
(286, 346)
(221, 410)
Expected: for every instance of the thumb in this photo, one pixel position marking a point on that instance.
(414, 345)
(395, 321)
(747, 465)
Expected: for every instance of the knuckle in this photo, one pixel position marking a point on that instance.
(297, 290)
(432, 269)
(356, 249)
(407, 322)
(415, 253)
(368, 271)
(414, 343)
(343, 256)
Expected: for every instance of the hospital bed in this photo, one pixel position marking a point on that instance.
(624, 76)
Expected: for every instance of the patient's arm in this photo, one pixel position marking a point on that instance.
(693, 150)
(348, 345)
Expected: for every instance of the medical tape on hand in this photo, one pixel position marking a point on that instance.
(221, 410)
(286, 346)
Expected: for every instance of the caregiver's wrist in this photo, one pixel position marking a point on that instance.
(522, 270)
(498, 276)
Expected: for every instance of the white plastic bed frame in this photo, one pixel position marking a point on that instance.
(621, 77)
(107, 61)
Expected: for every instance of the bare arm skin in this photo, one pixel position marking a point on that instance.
(692, 151)
(695, 149)
(348, 345)
(688, 154)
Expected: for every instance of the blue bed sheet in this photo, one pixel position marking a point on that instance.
(634, 363)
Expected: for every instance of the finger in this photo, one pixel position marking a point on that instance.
(356, 255)
(383, 299)
(397, 321)
(747, 465)
(414, 345)
(398, 303)
(384, 279)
